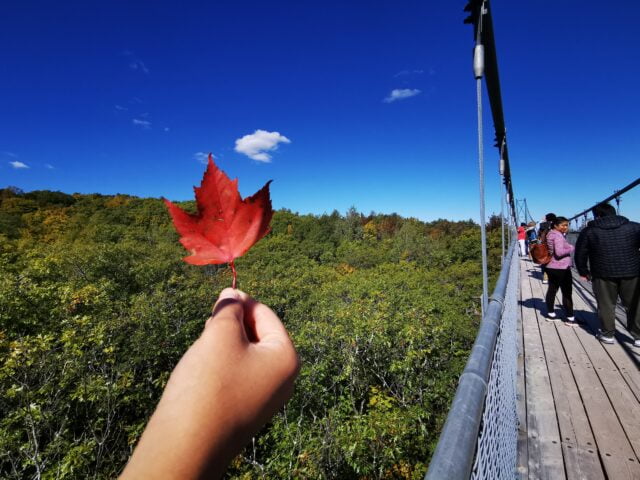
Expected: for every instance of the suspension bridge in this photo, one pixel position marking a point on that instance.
(537, 399)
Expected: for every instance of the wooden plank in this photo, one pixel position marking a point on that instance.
(585, 290)
(625, 403)
(545, 452)
(577, 439)
(628, 369)
(616, 453)
(627, 358)
(522, 467)
(622, 398)
(578, 445)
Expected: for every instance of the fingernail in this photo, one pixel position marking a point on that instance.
(226, 294)
(229, 293)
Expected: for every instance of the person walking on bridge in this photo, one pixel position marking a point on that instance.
(545, 228)
(608, 254)
(559, 269)
(522, 239)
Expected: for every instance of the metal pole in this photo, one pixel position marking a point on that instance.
(527, 213)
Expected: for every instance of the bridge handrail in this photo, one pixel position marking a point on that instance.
(454, 454)
(460, 440)
(615, 195)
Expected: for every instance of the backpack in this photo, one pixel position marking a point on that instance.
(539, 251)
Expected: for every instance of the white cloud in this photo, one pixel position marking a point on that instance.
(11, 154)
(401, 94)
(256, 145)
(138, 65)
(121, 108)
(135, 63)
(145, 124)
(166, 129)
(202, 157)
(404, 73)
(49, 166)
(18, 164)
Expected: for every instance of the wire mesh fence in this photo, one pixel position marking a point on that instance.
(496, 454)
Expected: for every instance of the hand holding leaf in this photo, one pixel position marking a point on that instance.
(226, 226)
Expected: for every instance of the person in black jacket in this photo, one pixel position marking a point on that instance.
(608, 253)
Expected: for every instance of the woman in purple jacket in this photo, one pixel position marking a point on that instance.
(559, 269)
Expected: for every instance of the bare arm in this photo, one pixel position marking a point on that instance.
(224, 389)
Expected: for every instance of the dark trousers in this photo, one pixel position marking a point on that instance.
(606, 291)
(560, 279)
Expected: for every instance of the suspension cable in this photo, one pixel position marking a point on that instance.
(478, 71)
(454, 455)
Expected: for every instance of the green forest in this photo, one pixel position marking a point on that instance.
(97, 306)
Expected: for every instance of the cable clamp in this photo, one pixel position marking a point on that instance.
(495, 299)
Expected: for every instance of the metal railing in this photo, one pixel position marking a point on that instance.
(616, 196)
(462, 441)
(479, 438)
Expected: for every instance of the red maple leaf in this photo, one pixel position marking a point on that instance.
(226, 226)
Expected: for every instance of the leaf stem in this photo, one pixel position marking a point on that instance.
(234, 284)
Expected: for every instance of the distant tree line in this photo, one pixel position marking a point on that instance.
(96, 307)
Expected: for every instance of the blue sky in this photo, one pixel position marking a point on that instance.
(363, 104)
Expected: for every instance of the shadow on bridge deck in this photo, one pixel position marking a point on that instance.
(578, 400)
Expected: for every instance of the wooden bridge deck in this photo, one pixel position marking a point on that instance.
(578, 400)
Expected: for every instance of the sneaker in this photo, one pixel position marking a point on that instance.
(636, 342)
(606, 338)
(571, 319)
(552, 317)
